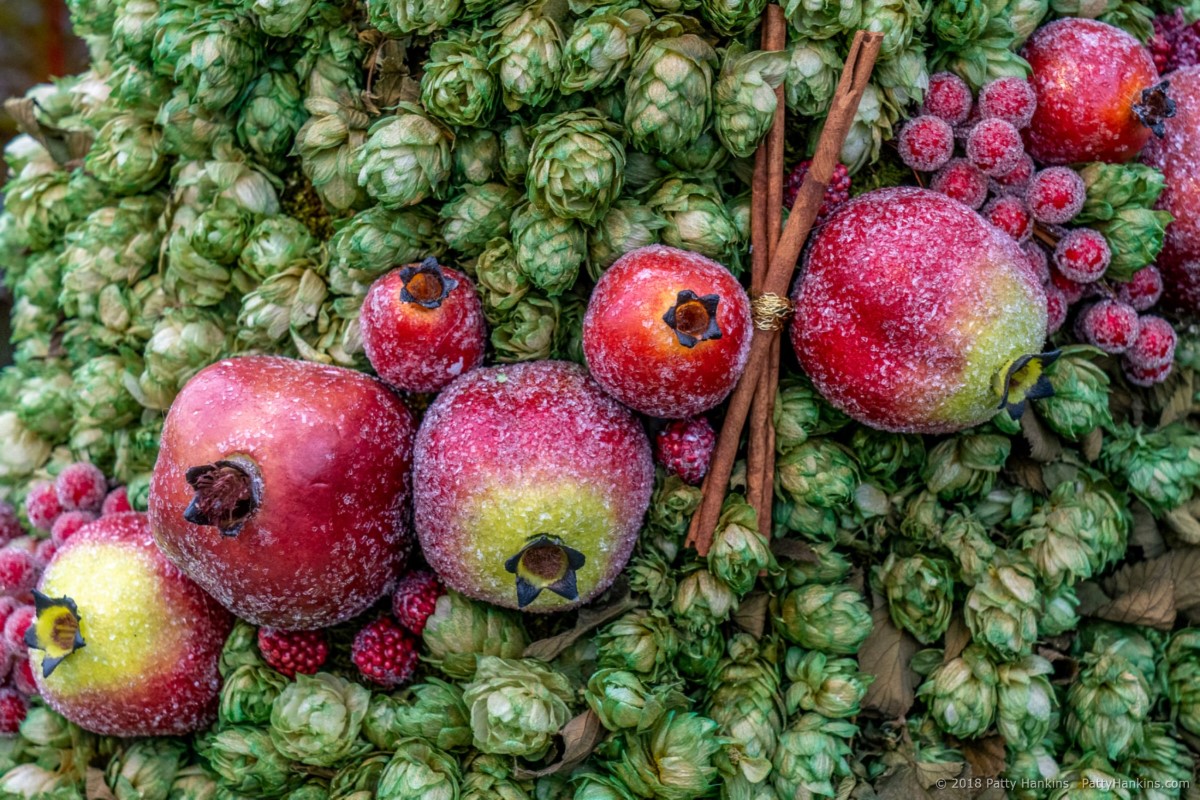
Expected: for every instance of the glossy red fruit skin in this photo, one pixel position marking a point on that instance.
(1178, 156)
(639, 359)
(334, 450)
(421, 349)
(1087, 76)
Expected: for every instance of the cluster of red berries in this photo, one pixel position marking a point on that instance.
(1022, 198)
(1176, 42)
(836, 193)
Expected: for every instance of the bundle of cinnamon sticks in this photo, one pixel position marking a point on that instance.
(773, 260)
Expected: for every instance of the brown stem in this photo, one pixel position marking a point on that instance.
(227, 494)
(855, 76)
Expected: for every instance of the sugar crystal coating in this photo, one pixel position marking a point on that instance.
(1142, 290)
(42, 506)
(1082, 255)
(1056, 309)
(10, 525)
(962, 181)
(1010, 214)
(1110, 325)
(994, 145)
(1039, 262)
(1056, 195)
(1154, 345)
(1146, 378)
(948, 97)
(1017, 179)
(1010, 98)
(81, 487)
(926, 143)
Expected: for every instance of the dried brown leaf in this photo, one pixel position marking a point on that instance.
(1091, 444)
(1027, 473)
(902, 784)
(589, 619)
(1183, 523)
(579, 738)
(751, 614)
(94, 786)
(986, 756)
(1152, 605)
(1136, 576)
(958, 636)
(886, 654)
(933, 774)
(1185, 571)
(1145, 534)
(1181, 401)
(793, 549)
(1044, 446)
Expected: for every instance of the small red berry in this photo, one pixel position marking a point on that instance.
(1009, 214)
(43, 554)
(68, 524)
(291, 652)
(116, 502)
(926, 143)
(15, 626)
(948, 97)
(81, 487)
(1143, 290)
(415, 598)
(1154, 345)
(42, 506)
(7, 606)
(21, 675)
(1056, 195)
(1110, 325)
(1039, 262)
(962, 181)
(684, 448)
(995, 146)
(1072, 291)
(10, 525)
(836, 193)
(1010, 99)
(13, 708)
(384, 653)
(1082, 255)
(19, 571)
(1016, 180)
(1146, 377)
(1056, 309)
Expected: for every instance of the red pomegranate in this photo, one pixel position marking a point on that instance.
(281, 489)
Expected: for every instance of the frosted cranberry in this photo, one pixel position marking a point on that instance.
(68, 524)
(1110, 325)
(1056, 195)
(10, 525)
(44, 552)
(1143, 290)
(1071, 290)
(948, 97)
(1009, 214)
(13, 708)
(1010, 99)
(18, 571)
(116, 502)
(926, 143)
(1056, 309)
(962, 181)
(1016, 180)
(1039, 262)
(1154, 345)
(1082, 255)
(15, 626)
(42, 506)
(1146, 377)
(21, 675)
(7, 606)
(81, 487)
(994, 145)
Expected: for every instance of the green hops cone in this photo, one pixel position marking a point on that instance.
(529, 331)
(962, 694)
(1003, 607)
(738, 551)
(652, 577)
(669, 93)
(920, 594)
(317, 719)
(215, 58)
(599, 50)
(248, 694)
(460, 629)
(272, 116)
(627, 225)
(1107, 705)
(672, 761)
(831, 687)
(576, 165)
(744, 97)
(516, 706)
(1091, 777)
(146, 768)
(480, 213)
(1079, 404)
(812, 752)
(732, 17)
(1162, 765)
(1136, 237)
(1113, 187)
(746, 701)
(832, 619)
(478, 157)
(811, 78)
(369, 244)
(328, 144)
(528, 57)
(622, 701)
(696, 219)
(1025, 701)
(1183, 678)
(457, 86)
(1159, 466)
(643, 641)
(822, 19)
(800, 412)
(419, 770)
(127, 155)
(499, 279)
(965, 466)
(550, 248)
(1076, 532)
(401, 17)
(405, 159)
(433, 711)
(819, 477)
(246, 762)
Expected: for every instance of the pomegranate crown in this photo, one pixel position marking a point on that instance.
(56, 630)
(1025, 379)
(545, 564)
(694, 318)
(1155, 108)
(227, 494)
(425, 284)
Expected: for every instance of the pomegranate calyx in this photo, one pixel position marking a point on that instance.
(56, 630)
(694, 318)
(426, 284)
(1155, 108)
(545, 563)
(1025, 379)
(228, 493)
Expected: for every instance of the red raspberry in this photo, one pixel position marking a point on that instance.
(10, 525)
(415, 597)
(1154, 345)
(926, 143)
(21, 675)
(290, 652)
(1143, 290)
(962, 181)
(44, 553)
(1056, 195)
(1175, 43)
(81, 487)
(116, 502)
(19, 571)
(1146, 377)
(68, 524)
(1009, 214)
(1056, 309)
(42, 506)
(1010, 99)
(995, 146)
(836, 193)
(1110, 325)
(684, 448)
(1039, 262)
(385, 653)
(7, 606)
(1072, 291)
(15, 626)
(1082, 255)
(948, 97)
(1016, 180)
(13, 708)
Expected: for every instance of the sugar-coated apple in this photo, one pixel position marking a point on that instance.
(667, 332)
(281, 488)
(914, 314)
(529, 485)
(124, 643)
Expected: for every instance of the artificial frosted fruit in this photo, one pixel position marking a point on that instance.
(529, 485)
(1177, 154)
(914, 314)
(667, 332)
(281, 488)
(1098, 93)
(125, 644)
(422, 326)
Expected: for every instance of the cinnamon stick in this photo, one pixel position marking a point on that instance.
(855, 76)
(765, 211)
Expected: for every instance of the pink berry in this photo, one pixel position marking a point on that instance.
(116, 502)
(290, 652)
(1010, 99)
(1039, 262)
(995, 146)
(1016, 180)
(43, 554)
(10, 525)
(1072, 291)
(81, 487)
(7, 606)
(13, 708)
(415, 599)
(1009, 214)
(948, 97)
(385, 653)
(1146, 377)
(926, 143)
(684, 448)
(1056, 195)
(1110, 325)
(1154, 345)
(42, 506)
(1082, 255)
(962, 181)
(68, 523)
(15, 626)
(21, 674)
(1143, 290)
(18, 572)
(1056, 309)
